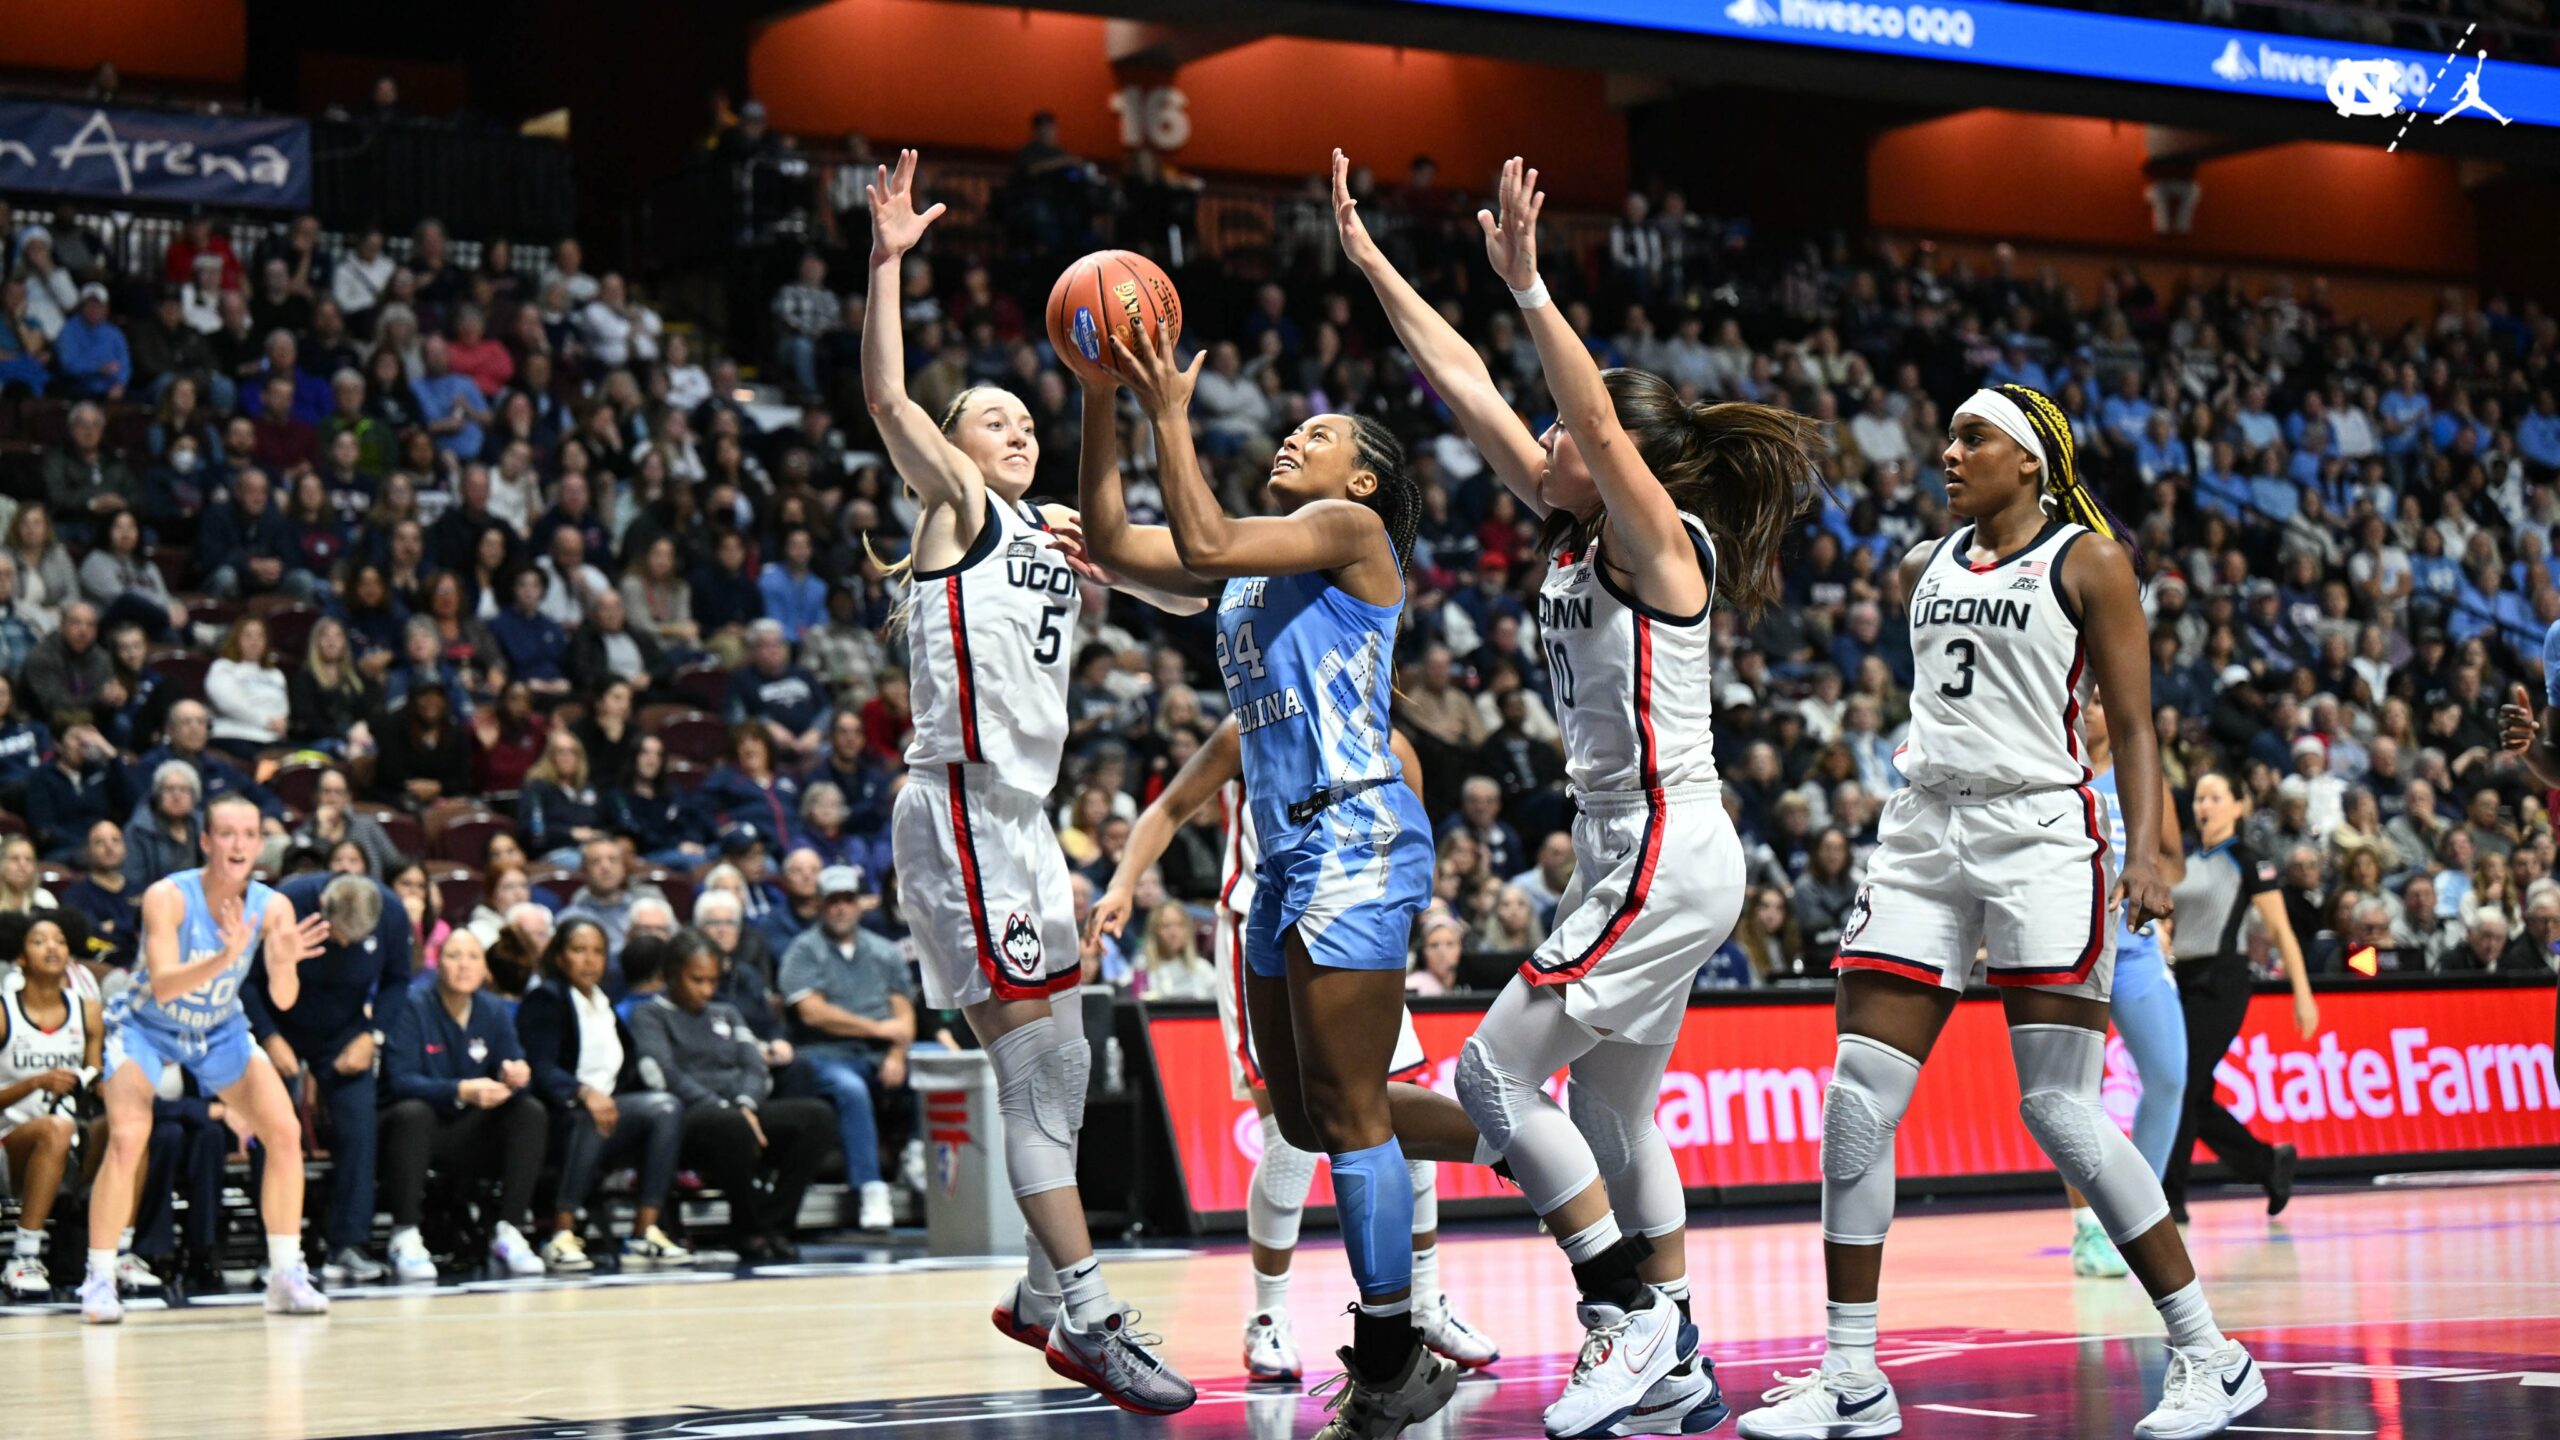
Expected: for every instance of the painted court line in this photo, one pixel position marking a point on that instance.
(1986, 1414)
(2288, 1430)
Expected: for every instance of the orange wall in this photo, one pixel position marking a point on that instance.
(2079, 182)
(969, 76)
(163, 39)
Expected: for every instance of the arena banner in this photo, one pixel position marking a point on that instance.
(109, 152)
(2355, 79)
(2393, 1072)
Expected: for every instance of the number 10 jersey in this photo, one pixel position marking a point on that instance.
(1998, 663)
(990, 641)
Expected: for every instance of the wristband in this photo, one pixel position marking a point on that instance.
(1533, 297)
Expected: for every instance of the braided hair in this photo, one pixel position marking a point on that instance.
(1398, 496)
(2063, 485)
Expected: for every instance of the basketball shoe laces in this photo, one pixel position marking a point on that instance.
(1129, 1353)
(1599, 1345)
(1345, 1396)
(2187, 1385)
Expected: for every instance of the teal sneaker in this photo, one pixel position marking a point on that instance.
(2093, 1255)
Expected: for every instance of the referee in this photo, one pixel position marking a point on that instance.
(2226, 882)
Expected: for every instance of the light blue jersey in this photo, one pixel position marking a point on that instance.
(204, 1029)
(2135, 950)
(2551, 664)
(1346, 849)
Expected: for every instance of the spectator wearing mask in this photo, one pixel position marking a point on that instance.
(853, 1017)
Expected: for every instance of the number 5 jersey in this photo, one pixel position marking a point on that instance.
(991, 640)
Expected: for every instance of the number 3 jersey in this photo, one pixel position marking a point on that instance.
(989, 647)
(1998, 663)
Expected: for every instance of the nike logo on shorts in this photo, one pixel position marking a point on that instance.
(2048, 824)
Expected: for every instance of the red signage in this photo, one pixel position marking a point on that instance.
(2394, 1072)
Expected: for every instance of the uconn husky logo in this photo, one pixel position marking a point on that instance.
(1022, 944)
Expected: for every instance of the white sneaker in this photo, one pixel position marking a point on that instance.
(290, 1292)
(2204, 1391)
(1826, 1405)
(511, 1252)
(26, 1278)
(1270, 1348)
(99, 1304)
(132, 1274)
(565, 1254)
(1451, 1338)
(351, 1266)
(1362, 1411)
(1686, 1402)
(876, 1214)
(1118, 1362)
(1025, 1316)
(911, 1168)
(651, 1249)
(1625, 1353)
(409, 1258)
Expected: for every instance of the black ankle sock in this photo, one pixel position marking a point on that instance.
(1610, 1278)
(1381, 1344)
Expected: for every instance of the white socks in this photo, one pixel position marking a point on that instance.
(1271, 1292)
(1426, 1276)
(1583, 1244)
(284, 1252)
(29, 1244)
(2189, 1319)
(1849, 1336)
(102, 1264)
(1088, 1299)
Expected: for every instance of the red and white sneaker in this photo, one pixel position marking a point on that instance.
(1026, 1317)
(1119, 1363)
(1270, 1348)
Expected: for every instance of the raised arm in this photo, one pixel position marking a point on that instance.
(1339, 537)
(1138, 558)
(1452, 365)
(924, 457)
(2098, 579)
(1644, 527)
(1192, 786)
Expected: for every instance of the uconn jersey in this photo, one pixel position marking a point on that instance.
(1997, 659)
(27, 1051)
(1633, 686)
(1346, 851)
(990, 647)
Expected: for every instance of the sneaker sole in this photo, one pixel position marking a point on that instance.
(1257, 1376)
(1868, 1430)
(1461, 1361)
(1601, 1428)
(1065, 1365)
(2250, 1398)
(1698, 1421)
(1020, 1332)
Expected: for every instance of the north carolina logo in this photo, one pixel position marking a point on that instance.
(1022, 944)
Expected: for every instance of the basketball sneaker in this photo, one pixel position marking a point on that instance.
(1366, 1411)
(509, 1251)
(2093, 1255)
(26, 1278)
(1026, 1316)
(1119, 1363)
(290, 1292)
(1825, 1405)
(351, 1266)
(876, 1214)
(1451, 1338)
(1688, 1401)
(99, 1303)
(409, 1258)
(651, 1249)
(1625, 1353)
(133, 1274)
(1270, 1348)
(2204, 1391)
(565, 1254)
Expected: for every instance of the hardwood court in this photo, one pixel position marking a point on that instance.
(2402, 1313)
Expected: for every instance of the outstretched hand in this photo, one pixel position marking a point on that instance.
(2516, 724)
(1361, 250)
(1511, 234)
(1147, 364)
(299, 942)
(895, 225)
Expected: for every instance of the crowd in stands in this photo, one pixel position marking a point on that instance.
(490, 585)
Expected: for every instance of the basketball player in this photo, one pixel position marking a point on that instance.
(1307, 610)
(197, 930)
(1642, 497)
(2144, 1006)
(991, 609)
(1284, 1173)
(49, 1046)
(1999, 843)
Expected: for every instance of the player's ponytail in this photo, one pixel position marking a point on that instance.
(1398, 496)
(2064, 486)
(1744, 470)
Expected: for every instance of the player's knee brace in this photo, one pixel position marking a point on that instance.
(2059, 1067)
(1635, 1162)
(1426, 1195)
(1040, 1089)
(1548, 1156)
(1871, 1085)
(1278, 1199)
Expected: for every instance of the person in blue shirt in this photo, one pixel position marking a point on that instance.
(2161, 454)
(457, 1098)
(26, 743)
(452, 404)
(2405, 412)
(90, 353)
(787, 701)
(245, 548)
(2127, 413)
(112, 903)
(2272, 494)
(725, 598)
(2538, 435)
(330, 1034)
(537, 649)
(751, 790)
(73, 791)
(794, 598)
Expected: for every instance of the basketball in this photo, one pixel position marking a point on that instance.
(1107, 293)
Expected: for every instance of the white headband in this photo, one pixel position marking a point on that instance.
(2003, 412)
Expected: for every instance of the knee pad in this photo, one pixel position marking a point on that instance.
(1040, 1084)
(1513, 1115)
(1635, 1162)
(2059, 1067)
(1487, 1095)
(1277, 1200)
(1426, 1195)
(1871, 1085)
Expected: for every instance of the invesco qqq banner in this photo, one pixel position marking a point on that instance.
(2367, 80)
(129, 155)
(2397, 1072)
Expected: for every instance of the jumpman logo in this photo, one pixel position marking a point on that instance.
(2468, 97)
